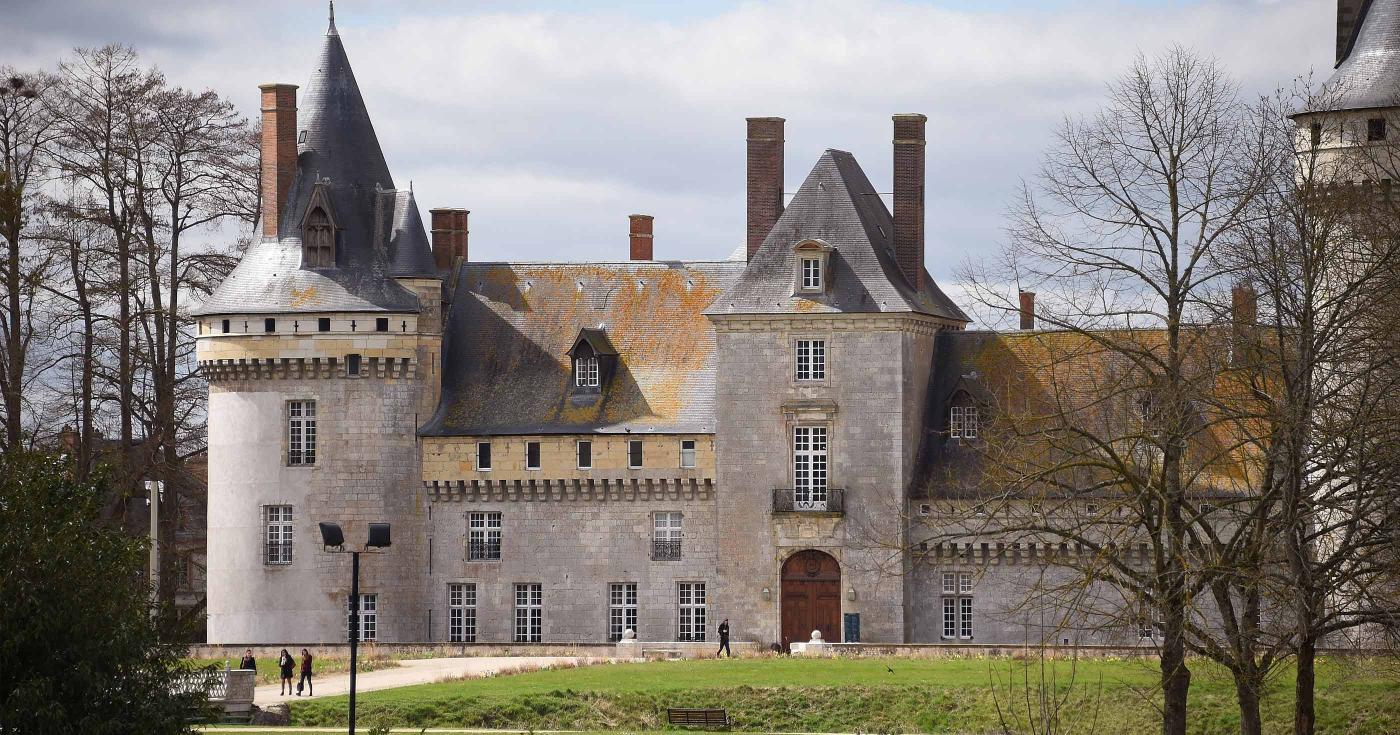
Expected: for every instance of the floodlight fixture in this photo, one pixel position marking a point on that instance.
(378, 536)
(331, 535)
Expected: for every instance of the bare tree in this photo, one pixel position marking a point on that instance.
(1117, 233)
(26, 130)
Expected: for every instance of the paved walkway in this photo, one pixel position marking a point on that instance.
(416, 671)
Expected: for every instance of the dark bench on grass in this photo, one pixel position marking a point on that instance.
(688, 717)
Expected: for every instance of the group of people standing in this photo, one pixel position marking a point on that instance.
(286, 665)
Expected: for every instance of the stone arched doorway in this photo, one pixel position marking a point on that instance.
(811, 584)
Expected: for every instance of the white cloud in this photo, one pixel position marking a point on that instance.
(552, 126)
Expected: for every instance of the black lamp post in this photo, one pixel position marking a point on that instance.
(333, 539)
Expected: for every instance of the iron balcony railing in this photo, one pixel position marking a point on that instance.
(830, 500)
(484, 551)
(665, 549)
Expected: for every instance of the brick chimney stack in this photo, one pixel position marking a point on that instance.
(765, 178)
(640, 234)
(909, 197)
(279, 152)
(449, 233)
(1027, 310)
(1244, 315)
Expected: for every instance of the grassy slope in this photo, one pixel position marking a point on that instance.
(852, 695)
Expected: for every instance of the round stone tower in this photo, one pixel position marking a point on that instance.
(322, 351)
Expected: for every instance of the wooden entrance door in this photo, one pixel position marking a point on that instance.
(811, 597)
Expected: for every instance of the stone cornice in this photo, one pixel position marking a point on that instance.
(922, 324)
(292, 368)
(570, 490)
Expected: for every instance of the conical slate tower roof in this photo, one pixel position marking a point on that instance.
(379, 232)
(1368, 76)
(838, 205)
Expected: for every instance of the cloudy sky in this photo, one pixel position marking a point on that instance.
(552, 121)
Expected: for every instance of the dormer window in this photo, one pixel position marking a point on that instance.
(811, 274)
(963, 422)
(319, 240)
(586, 372)
(593, 359)
(812, 259)
(318, 229)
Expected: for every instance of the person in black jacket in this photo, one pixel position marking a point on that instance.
(248, 661)
(285, 665)
(724, 639)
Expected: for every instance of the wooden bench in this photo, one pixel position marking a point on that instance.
(698, 717)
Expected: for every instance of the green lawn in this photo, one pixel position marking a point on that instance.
(849, 695)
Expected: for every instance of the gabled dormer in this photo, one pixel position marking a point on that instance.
(319, 231)
(811, 267)
(594, 358)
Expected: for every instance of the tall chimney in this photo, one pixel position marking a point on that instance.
(1244, 315)
(279, 152)
(1348, 14)
(449, 233)
(1027, 310)
(909, 197)
(765, 178)
(641, 236)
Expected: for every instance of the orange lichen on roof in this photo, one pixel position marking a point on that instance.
(519, 322)
(1095, 384)
(303, 296)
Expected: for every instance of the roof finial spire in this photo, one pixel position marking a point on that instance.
(332, 31)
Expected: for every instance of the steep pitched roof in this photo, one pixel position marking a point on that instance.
(1368, 75)
(506, 367)
(338, 151)
(410, 252)
(838, 205)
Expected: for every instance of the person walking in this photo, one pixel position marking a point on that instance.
(248, 662)
(305, 673)
(724, 639)
(285, 665)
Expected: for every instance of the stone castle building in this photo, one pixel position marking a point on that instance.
(569, 450)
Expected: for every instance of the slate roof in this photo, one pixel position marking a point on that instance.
(838, 205)
(506, 368)
(380, 231)
(1032, 369)
(1368, 76)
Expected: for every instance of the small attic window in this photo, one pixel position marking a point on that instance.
(593, 358)
(1375, 129)
(964, 419)
(812, 259)
(586, 372)
(318, 243)
(301, 137)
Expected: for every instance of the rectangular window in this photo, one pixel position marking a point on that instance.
(957, 605)
(323, 324)
(532, 455)
(811, 359)
(1375, 129)
(461, 613)
(483, 456)
(483, 536)
(225, 326)
(634, 453)
(529, 613)
(809, 467)
(381, 324)
(666, 536)
(585, 455)
(278, 519)
(687, 453)
(1316, 132)
(301, 433)
(586, 372)
(369, 618)
(691, 596)
(622, 609)
(269, 325)
(352, 364)
(963, 422)
(811, 274)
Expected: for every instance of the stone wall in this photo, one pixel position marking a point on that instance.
(575, 548)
